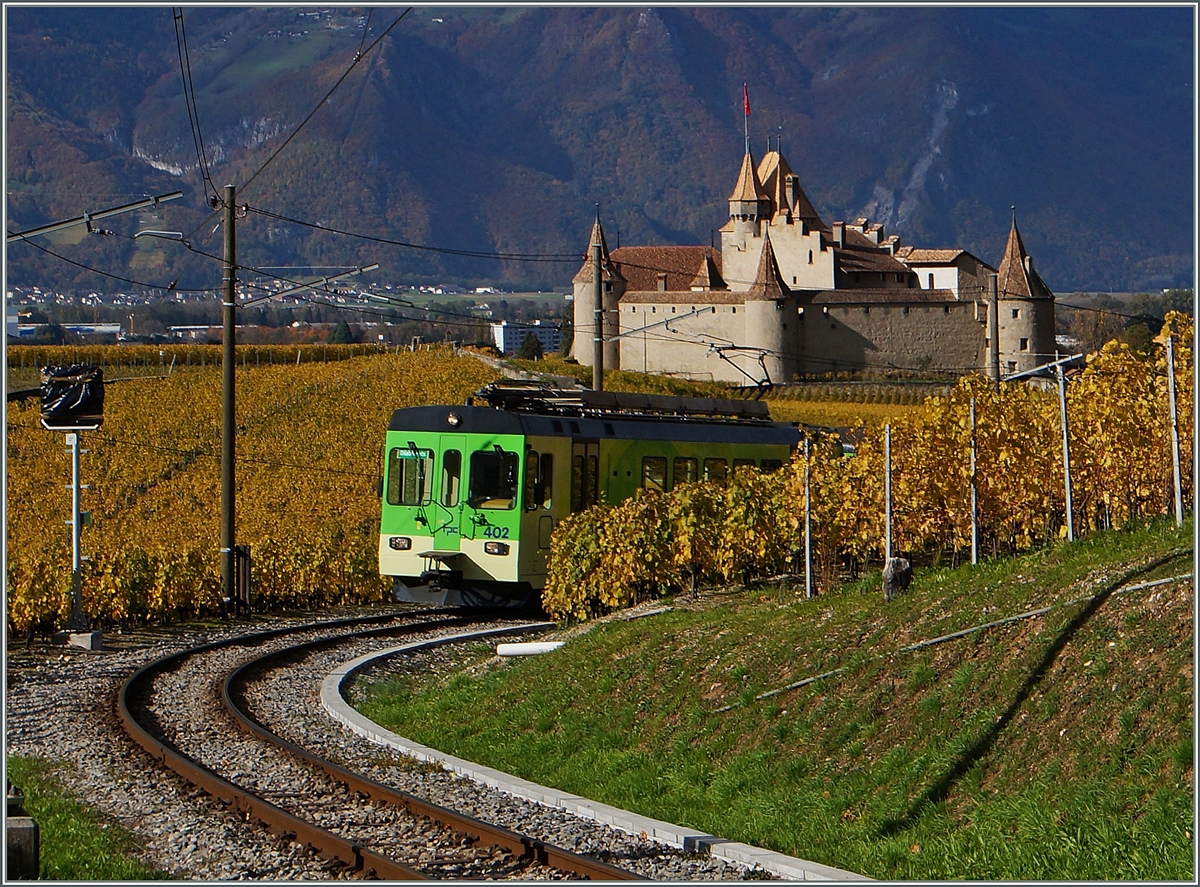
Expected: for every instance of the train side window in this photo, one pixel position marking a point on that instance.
(545, 485)
(532, 499)
(451, 477)
(493, 482)
(591, 481)
(685, 470)
(654, 473)
(408, 476)
(715, 469)
(769, 465)
(577, 483)
(743, 463)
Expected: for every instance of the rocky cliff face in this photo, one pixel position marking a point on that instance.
(498, 130)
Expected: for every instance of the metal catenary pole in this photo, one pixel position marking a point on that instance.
(1174, 429)
(77, 621)
(808, 563)
(228, 420)
(1066, 447)
(994, 327)
(598, 332)
(887, 491)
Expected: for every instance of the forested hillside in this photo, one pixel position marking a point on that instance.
(497, 130)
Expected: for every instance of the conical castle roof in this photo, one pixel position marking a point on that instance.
(608, 270)
(1017, 278)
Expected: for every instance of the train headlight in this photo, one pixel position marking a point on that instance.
(454, 420)
(399, 543)
(495, 548)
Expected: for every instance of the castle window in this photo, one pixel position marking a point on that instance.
(931, 280)
(1016, 313)
(1024, 344)
(945, 309)
(1012, 366)
(793, 278)
(608, 286)
(653, 309)
(735, 309)
(899, 277)
(867, 309)
(810, 257)
(905, 309)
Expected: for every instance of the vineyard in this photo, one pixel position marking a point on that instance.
(25, 362)
(752, 527)
(308, 454)
(310, 429)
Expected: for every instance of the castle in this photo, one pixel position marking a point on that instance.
(789, 296)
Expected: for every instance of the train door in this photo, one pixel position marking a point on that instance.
(447, 514)
(585, 474)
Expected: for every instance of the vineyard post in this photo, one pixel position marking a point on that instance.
(1174, 428)
(974, 494)
(807, 522)
(887, 492)
(1062, 404)
(228, 427)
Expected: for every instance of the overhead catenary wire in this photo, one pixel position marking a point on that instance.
(358, 57)
(476, 254)
(189, 97)
(154, 286)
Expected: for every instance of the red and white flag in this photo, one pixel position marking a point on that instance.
(746, 99)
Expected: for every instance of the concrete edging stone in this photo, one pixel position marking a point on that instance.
(786, 867)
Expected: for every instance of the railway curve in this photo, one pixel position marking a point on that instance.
(360, 827)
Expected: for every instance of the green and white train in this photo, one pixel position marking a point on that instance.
(471, 493)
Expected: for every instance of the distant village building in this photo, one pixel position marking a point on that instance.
(788, 295)
(509, 336)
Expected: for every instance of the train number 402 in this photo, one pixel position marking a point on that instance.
(495, 532)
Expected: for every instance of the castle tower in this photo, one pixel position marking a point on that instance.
(805, 261)
(741, 236)
(584, 315)
(1026, 310)
(771, 318)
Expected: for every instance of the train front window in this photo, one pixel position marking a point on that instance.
(451, 477)
(409, 470)
(654, 473)
(493, 482)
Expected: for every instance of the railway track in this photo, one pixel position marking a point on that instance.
(191, 711)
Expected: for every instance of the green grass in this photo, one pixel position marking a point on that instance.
(77, 842)
(1058, 747)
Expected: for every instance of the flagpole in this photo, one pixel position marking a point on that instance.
(746, 114)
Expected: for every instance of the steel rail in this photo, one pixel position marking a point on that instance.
(323, 842)
(478, 830)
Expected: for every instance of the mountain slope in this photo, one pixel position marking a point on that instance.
(498, 130)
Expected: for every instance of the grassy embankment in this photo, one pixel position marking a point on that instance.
(1053, 747)
(77, 842)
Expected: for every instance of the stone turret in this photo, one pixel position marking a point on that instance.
(771, 317)
(1026, 309)
(584, 315)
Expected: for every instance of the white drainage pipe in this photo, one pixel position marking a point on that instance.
(531, 648)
